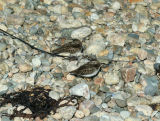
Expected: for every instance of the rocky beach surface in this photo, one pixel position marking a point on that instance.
(125, 31)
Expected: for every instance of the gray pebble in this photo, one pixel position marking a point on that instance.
(152, 85)
(91, 118)
(121, 103)
(67, 112)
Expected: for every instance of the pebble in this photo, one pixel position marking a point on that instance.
(133, 101)
(36, 62)
(15, 20)
(3, 89)
(25, 67)
(59, 9)
(132, 119)
(30, 80)
(81, 33)
(142, 54)
(147, 110)
(128, 73)
(121, 103)
(125, 114)
(111, 78)
(67, 112)
(91, 118)
(72, 23)
(79, 114)
(81, 89)
(3, 27)
(97, 100)
(19, 77)
(117, 39)
(116, 5)
(3, 46)
(3, 67)
(155, 99)
(48, 1)
(95, 45)
(54, 95)
(94, 17)
(151, 87)
(114, 29)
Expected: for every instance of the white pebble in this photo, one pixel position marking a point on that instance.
(116, 5)
(36, 62)
(81, 33)
(81, 89)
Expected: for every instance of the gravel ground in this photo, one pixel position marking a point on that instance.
(109, 29)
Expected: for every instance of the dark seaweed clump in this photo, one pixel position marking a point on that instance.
(37, 100)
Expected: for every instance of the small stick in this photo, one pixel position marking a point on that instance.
(31, 46)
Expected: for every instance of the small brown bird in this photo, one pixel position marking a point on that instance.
(88, 70)
(70, 47)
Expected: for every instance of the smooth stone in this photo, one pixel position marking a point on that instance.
(3, 67)
(48, 1)
(95, 45)
(111, 78)
(81, 89)
(67, 112)
(25, 67)
(97, 100)
(107, 99)
(58, 9)
(86, 106)
(36, 62)
(133, 35)
(133, 101)
(19, 77)
(79, 114)
(81, 33)
(117, 39)
(157, 59)
(142, 54)
(69, 23)
(125, 114)
(94, 17)
(94, 109)
(30, 80)
(3, 88)
(66, 32)
(152, 85)
(91, 118)
(3, 46)
(54, 95)
(3, 27)
(147, 110)
(15, 20)
(132, 119)
(116, 5)
(121, 103)
(155, 100)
